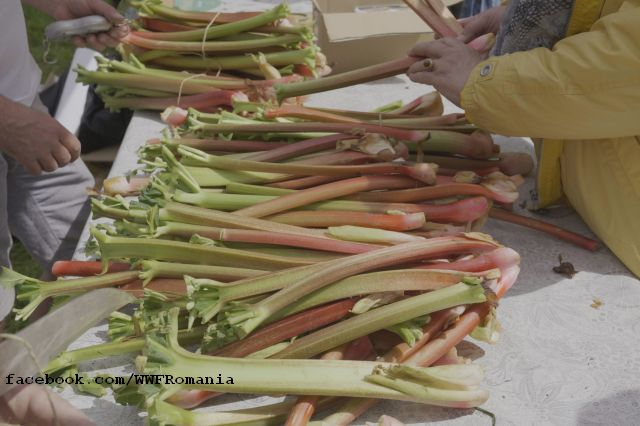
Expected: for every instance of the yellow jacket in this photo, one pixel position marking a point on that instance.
(583, 98)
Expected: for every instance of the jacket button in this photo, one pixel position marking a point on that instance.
(486, 70)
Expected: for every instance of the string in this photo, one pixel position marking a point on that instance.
(182, 85)
(32, 355)
(204, 39)
(204, 36)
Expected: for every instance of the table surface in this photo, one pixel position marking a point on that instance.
(560, 360)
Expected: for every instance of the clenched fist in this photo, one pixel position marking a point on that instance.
(35, 139)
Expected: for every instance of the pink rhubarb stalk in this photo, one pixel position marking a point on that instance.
(433, 193)
(325, 219)
(325, 192)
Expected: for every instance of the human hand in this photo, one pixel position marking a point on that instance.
(30, 405)
(73, 9)
(35, 139)
(483, 23)
(446, 65)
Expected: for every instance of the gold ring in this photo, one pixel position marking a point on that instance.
(428, 64)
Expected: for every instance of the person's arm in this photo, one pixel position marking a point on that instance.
(586, 87)
(35, 139)
(72, 9)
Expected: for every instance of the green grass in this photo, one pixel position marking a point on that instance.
(22, 262)
(62, 51)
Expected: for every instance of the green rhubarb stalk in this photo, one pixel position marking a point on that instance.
(214, 46)
(423, 172)
(174, 14)
(115, 348)
(308, 126)
(301, 56)
(375, 282)
(248, 189)
(34, 292)
(164, 355)
(370, 235)
(208, 177)
(190, 214)
(216, 31)
(208, 297)
(151, 269)
(124, 67)
(176, 251)
(383, 317)
(138, 81)
(261, 237)
(243, 318)
(163, 413)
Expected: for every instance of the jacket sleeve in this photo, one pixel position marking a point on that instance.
(586, 87)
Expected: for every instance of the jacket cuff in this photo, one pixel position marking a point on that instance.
(482, 72)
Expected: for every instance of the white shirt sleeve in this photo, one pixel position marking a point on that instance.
(19, 73)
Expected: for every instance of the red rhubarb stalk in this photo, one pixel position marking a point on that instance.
(432, 193)
(299, 111)
(349, 78)
(286, 328)
(85, 268)
(556, 231)
(299, 148)
(501, 258)
(200, 101)
(429, 104)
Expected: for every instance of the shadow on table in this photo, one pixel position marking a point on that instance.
(107, 413)
(619, 409)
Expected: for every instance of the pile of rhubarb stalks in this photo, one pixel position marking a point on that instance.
(329, 255)
(204, 59)
(289, 233)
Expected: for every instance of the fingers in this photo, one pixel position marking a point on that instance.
(472, 30)
(78, 41)
(119, 31)
(32, 167)
(433, 49)
(48, 163)
(428, 65)
(72, 145)
(92, 41)
(62, 155)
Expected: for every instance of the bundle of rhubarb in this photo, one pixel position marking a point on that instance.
(204, 59)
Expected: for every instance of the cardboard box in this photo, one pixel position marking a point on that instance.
(357, 33)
